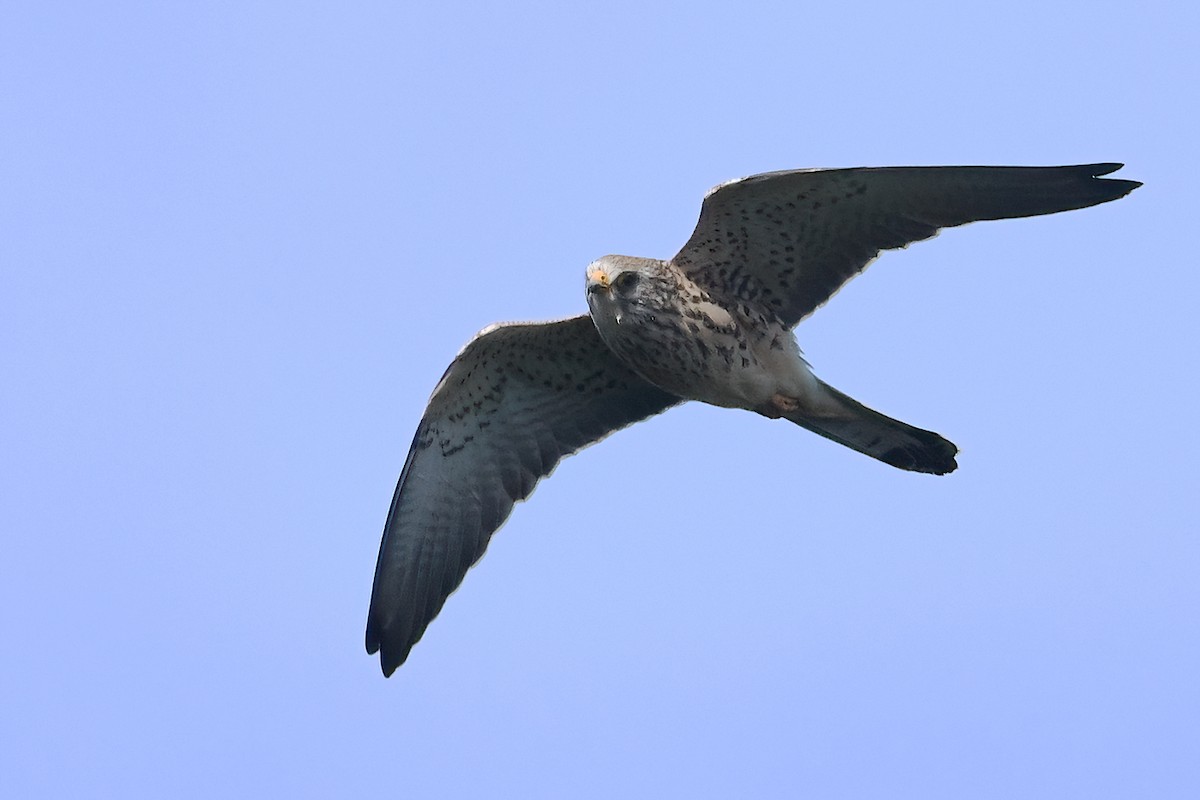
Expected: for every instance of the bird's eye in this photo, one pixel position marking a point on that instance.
(626, 282)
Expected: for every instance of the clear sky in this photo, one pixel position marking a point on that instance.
(239, 242)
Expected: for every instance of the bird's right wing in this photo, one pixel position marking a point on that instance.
(516, 400)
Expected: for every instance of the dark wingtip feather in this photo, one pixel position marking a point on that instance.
(390, 662)
(1122, 188)
(390, 655)
(1108, 189)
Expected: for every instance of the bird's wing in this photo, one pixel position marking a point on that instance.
(516, 400)
(790, 240)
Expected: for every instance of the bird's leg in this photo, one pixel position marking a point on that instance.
(778, 405)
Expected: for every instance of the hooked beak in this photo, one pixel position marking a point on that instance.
(597, 281)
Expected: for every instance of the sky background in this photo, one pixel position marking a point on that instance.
(239, 243)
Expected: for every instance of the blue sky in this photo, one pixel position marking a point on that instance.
(240, 243)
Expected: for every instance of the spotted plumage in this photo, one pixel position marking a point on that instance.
(713, 324)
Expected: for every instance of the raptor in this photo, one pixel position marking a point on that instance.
(712, 324)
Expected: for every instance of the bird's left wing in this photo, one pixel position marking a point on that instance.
(516, 400)
(789, 240)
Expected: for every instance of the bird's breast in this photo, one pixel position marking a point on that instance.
(702, 352)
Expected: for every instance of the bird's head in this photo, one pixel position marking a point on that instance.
(618, 286)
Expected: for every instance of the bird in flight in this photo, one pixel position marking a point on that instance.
(712, 324)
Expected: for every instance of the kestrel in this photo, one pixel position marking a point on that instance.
(713, 324)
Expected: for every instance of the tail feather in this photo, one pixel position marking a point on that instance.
(848, 422)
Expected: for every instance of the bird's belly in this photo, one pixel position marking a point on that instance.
(752, 377)
(739, 386)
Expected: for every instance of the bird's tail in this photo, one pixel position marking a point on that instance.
(847, 421)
